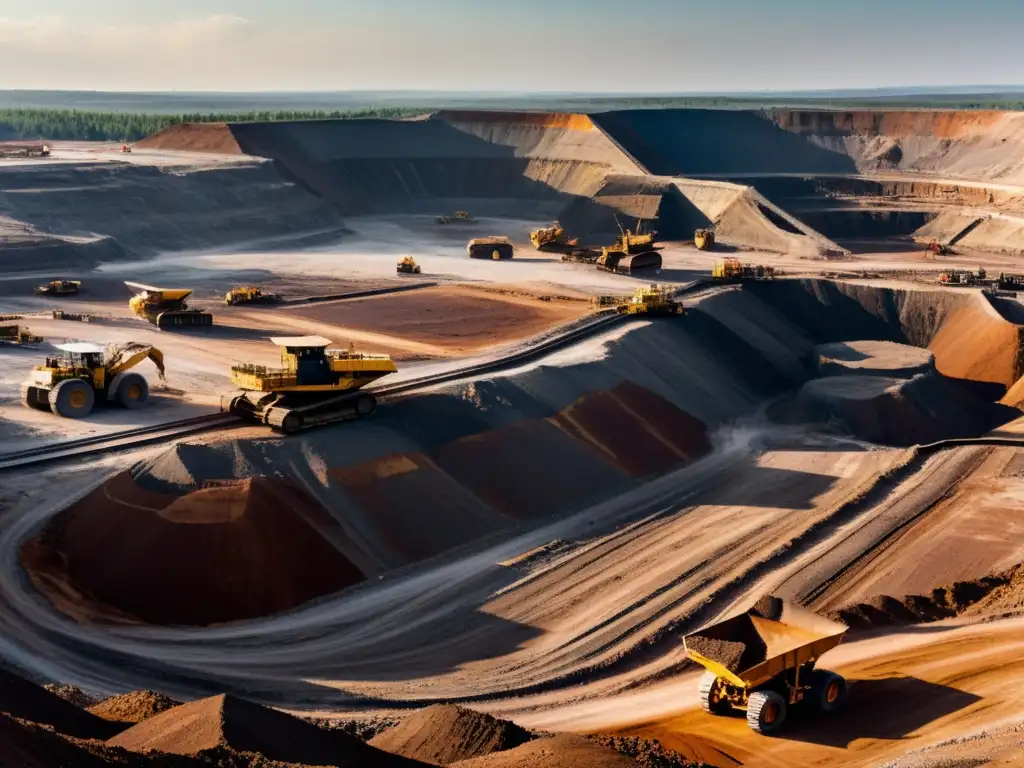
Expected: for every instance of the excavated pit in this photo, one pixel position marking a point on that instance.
(196, 536)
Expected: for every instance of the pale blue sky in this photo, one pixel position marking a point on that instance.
(583, 45)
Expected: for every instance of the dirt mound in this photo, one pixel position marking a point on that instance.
(563, 751)
(25, 745)
(194, 137)
(873, 358)
(72, 694)
(239, 550)
(226, 722)
(892, 411)
(27, 701)
(133, 707)
(989, 596)
(726, 652)
(648, 753)
(446, 733)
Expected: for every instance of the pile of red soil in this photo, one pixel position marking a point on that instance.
(133, 707)
(194, 137)
(978, 597)
(445, 734)
(563, 751)
(225, 723)
(238, 550)
(27, 701)
(26, 745)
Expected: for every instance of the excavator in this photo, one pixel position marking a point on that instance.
(70, 385)
(314, 385)
(407, 266)
(166, 307)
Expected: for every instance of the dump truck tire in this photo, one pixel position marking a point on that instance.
(711, 700)
(132, 391)
(366, 405)
(766, 712)
(828, 691)
(72, 399)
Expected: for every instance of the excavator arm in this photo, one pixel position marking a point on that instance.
(131, 355)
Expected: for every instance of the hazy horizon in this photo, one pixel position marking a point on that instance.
(576, 46)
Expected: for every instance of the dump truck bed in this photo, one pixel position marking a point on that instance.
(750, 649)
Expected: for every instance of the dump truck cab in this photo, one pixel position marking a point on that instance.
(313, 386)
(764, 661)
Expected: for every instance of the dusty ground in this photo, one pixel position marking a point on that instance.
(563, 623)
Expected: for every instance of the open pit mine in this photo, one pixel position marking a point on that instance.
(691, 438)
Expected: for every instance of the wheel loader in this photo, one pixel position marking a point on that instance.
(408, 266)
(553, 238)
(764, 661)
(59, 288)
(250, 294)
(314, 385)
(166, 307)
(70, 385)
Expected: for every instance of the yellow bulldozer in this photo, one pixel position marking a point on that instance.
(553, 238)
(733, 270)
(59, 288)
(250, 294)
(71, 384)
(763, 662)
(407, 266)
(314, 385)
(166, 307)
(652, 301)
(18, 335)
(630, 254)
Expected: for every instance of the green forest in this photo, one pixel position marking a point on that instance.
(127, 126)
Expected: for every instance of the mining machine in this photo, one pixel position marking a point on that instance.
(71, 384)
(407, 266)
(764, 662)
(733, 270)
(18, 336)
(250, 294)
(59, 288)
(166, 308)
(704, 239)
(314, 385)
(630, 253)
(494, 247)
(652, 301)
(553, 238)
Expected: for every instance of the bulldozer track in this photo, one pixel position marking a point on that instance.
(134, 438)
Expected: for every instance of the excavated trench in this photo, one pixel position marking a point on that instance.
(479, 460)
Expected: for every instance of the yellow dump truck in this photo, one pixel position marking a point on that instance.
(553, 238)
(763, 661)
(166, 307)
(494, 247)
(18, 335)
(250, 294)
(704, 239)
(59, 288)
(733, 270)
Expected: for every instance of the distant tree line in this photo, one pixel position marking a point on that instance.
(76, 125)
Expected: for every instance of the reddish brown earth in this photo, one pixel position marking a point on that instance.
(226, 722)
(235, 551)
(446, 733)
(459, 319)
(133, 707)
(563, 751)
(974, 345)
(194, 137)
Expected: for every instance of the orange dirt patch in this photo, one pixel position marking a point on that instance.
(972, 344)
(158, 558)
(459, 319)
(194, 137)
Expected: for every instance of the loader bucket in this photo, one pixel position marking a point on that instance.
(774, 636)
